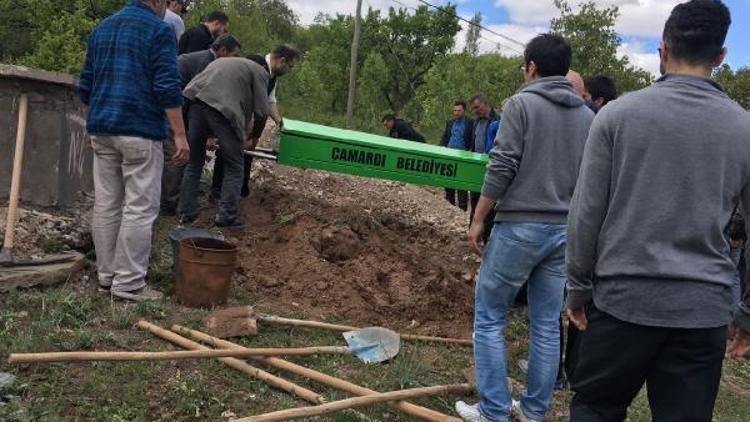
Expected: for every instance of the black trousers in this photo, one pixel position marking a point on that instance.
(459, 198)
(218, 176)
(681, 367)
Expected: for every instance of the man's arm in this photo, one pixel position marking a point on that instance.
(501, 170)
(446, 135)
(167, 89)
(260, 101)
(505, 158)
(588, 209)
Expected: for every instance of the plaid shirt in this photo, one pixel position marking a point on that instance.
(130, 76)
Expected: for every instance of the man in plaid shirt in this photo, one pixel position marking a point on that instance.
(131, 86)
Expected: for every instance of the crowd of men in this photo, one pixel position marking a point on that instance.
(142, 66)
(633, 204)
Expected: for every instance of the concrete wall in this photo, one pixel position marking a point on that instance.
(57, 164)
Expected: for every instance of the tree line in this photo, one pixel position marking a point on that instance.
(407, 62)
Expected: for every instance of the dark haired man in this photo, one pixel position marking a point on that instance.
(131, 86)
(599, 90)
(649, 271)
(401, 129)
(201, 36)
(531, 175)
(278, 63)
(457, 135)
(190, 65)
(486, 117)
(173, 17)
(226, 96)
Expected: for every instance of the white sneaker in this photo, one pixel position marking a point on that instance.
(469, 413)
(515, 410)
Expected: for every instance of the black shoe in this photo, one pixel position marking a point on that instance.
(229, 223)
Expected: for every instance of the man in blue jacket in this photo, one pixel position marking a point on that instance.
(131, 86)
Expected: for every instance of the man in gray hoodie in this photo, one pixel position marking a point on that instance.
(531, 176)
(649, 270)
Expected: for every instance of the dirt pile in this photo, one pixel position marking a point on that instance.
(365, 250)
(38, 232)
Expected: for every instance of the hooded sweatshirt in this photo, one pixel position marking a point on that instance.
(534, 164)
(663, 171)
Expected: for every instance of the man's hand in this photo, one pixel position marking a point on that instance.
(475, 236)
(251, 143)
(577, 317)
(740, 346)
(182, 151)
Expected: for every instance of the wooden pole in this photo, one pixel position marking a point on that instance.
(237, 364)
(156, 356)
(15, 183)
(333, 382)
(353, 65)
(342, 328)
(324, 409)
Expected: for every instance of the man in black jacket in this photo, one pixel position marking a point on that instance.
(482, 108)
(457, 135)
(278, 63)
(202, 36)
(401, 129)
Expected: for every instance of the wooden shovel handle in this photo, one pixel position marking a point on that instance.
(15, 184)
(303, 412)
(336, 327)
(183, 354)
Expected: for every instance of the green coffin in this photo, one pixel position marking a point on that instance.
(308, 145)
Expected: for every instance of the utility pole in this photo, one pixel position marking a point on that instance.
(353, 65)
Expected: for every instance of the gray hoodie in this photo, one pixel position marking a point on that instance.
(534, 165)
(663, 170)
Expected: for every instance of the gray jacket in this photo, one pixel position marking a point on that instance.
(663, 170)
(534, 164)
(191, 64)
(235, 87)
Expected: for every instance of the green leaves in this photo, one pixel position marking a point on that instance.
(591, 33)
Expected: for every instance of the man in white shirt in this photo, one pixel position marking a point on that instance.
(173, 17)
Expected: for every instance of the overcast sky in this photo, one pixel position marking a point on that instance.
(640, 23)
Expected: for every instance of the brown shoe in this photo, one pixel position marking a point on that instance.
(139, 295)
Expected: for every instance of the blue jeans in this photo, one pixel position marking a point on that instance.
(518, 252)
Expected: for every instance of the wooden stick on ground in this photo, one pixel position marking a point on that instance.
(324, 409)
(336, 327)
(182, 354)
(339, 384)
(237, 364)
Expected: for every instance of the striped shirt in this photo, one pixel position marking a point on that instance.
(130, 76)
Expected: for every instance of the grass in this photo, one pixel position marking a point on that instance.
(76, 317)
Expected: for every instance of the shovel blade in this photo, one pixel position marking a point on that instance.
(373, 344)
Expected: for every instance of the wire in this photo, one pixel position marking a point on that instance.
(473, 24)
(495, 42)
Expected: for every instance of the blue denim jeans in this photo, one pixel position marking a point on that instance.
(516, 253)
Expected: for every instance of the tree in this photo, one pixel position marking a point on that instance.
(736, 84)
(461, 76)
(410, 44)
(473, 32)
(594, 40)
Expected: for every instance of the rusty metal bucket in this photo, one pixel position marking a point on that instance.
(205, 271)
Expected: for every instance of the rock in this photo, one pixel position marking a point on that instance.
(6, 381)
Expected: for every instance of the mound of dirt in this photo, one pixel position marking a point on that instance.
(370, 251)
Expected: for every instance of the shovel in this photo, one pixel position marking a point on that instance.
(371, 345)
(7, 259)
